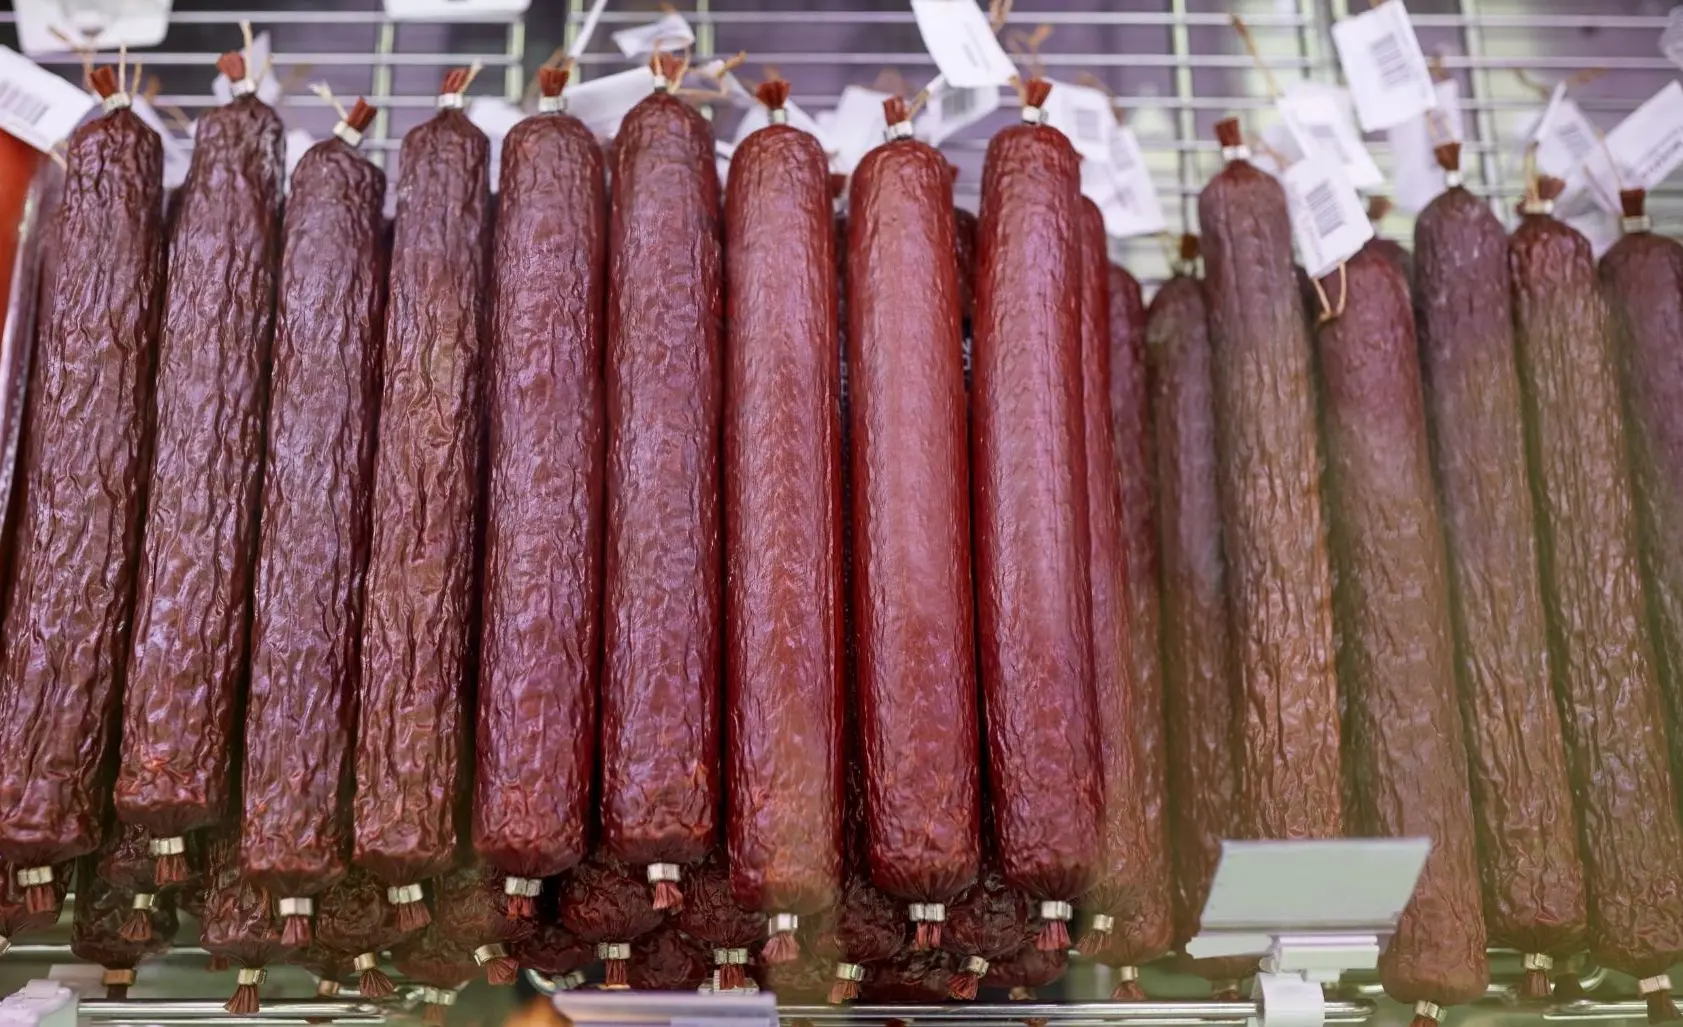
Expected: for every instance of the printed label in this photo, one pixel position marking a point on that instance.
(1084, 115)
(1319, 120)
(35, 105)
(1415, 171)
(855, 126)
(957, 35)
(951, 110)
(1647, 145)
(1329, 223)
(1134, 208)
(1382, 61)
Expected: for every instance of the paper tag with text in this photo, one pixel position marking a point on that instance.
(601, 102)
(1415, 174)
(1319, 120)
(950, 110)
(1134, 208)
(178, 156)
(855, 126)
(670, 33)
(1328, 220)
(1389, 80)
(1648, 146)
(257, 62)
(957, 35)
(1565, 138)
(35, 105)
(1084, 115)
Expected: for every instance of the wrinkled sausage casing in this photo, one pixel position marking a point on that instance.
(82, 472)
(1030, 497)
(1133, 886)
(313, 553)
(193, 598)
(1404, 759)
(1522, 800)
(911, 583)
(543, 559)
(96, 932)
(661, 591)
(1279, 582)
(1603, 658)
(1197, 658)
(783, 700)
(1642, 278)
(419, 605)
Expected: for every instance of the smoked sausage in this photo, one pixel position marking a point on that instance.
(782, 517)
(663, 377)
(1532, 875)
(239, 923)
(1279, 581)
(419, 604)
(354, 919)
(989, 920)
(100, 931)
(1613, 714)
(313, 550)
(442, 966)
(711, 914)
(1405, 761)
(471, 906)
(1034, 608)
(667, 959)
(603, 905)
(543, 537)
(193, 597)
(82, 473)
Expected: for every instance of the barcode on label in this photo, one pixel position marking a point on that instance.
(21, 104)
(1089, 127)
(1387, 54)
(956, 103)
(1575, 139)
(1323, 209)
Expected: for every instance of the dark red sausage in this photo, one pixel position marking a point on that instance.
(193, 598)
(783, 683)
(604, 905)
(1279, 581)
(667, 959)
(240, 924)
(471, 906)
(354, 919)
(419, 605)
(989, 920)
(1604, 672)
(125, 862)
(711, 914)
(1197, 658)
(100, 932)
(1405, 760)
(661, 628)
(1033, 603)
(554, 951)
(82, 470)
(911, 589)
(538, 659)
(442, 966)
(1533, 877)
(313, 553)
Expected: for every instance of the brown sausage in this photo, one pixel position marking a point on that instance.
(1404, 756)
(193, 597)
(604, 905)
(1033, 604)
(1602, 654)
(538, 661)
(313, 552)
(782, 471)
(1279, 582)
(100, 931)
(1533, 878)
(660, 603)
(911, 589)
(471, 907)
(354, 919)
(240, 925)
(418, 624)
(87, 424)
(711, 914)
(442, 966)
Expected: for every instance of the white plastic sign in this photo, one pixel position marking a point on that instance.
(601, 102)
(92, 23)
(257, 62)
(855, 126)
(454, 10)
(670, 33)
(1387, 72)
(1647, 145)
(1327, 217)
(35, 105)
(951, 110)
(1319, 120)
(1084, 115)
(957, 35)
(1415, 173)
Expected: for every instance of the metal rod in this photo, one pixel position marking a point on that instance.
(154, 1010)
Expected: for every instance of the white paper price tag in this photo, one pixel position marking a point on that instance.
(1648, 146)
(100, 26)
(1319, 120)
(1134, 208)
(1600, 227)
(495, 117)
(1671, 40)
(35, 105)
(951, 110)
(1388, 77)
(670, 33)
(855, 126)
(256, 63)
(298, 143)
(957, 35)
(601, 102)
(454, 10)
(1415, 173)
(178, 157)
(1565, 138)
(1327, 217)
(1084, 115)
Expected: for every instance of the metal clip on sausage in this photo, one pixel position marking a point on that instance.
(1311, 910)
